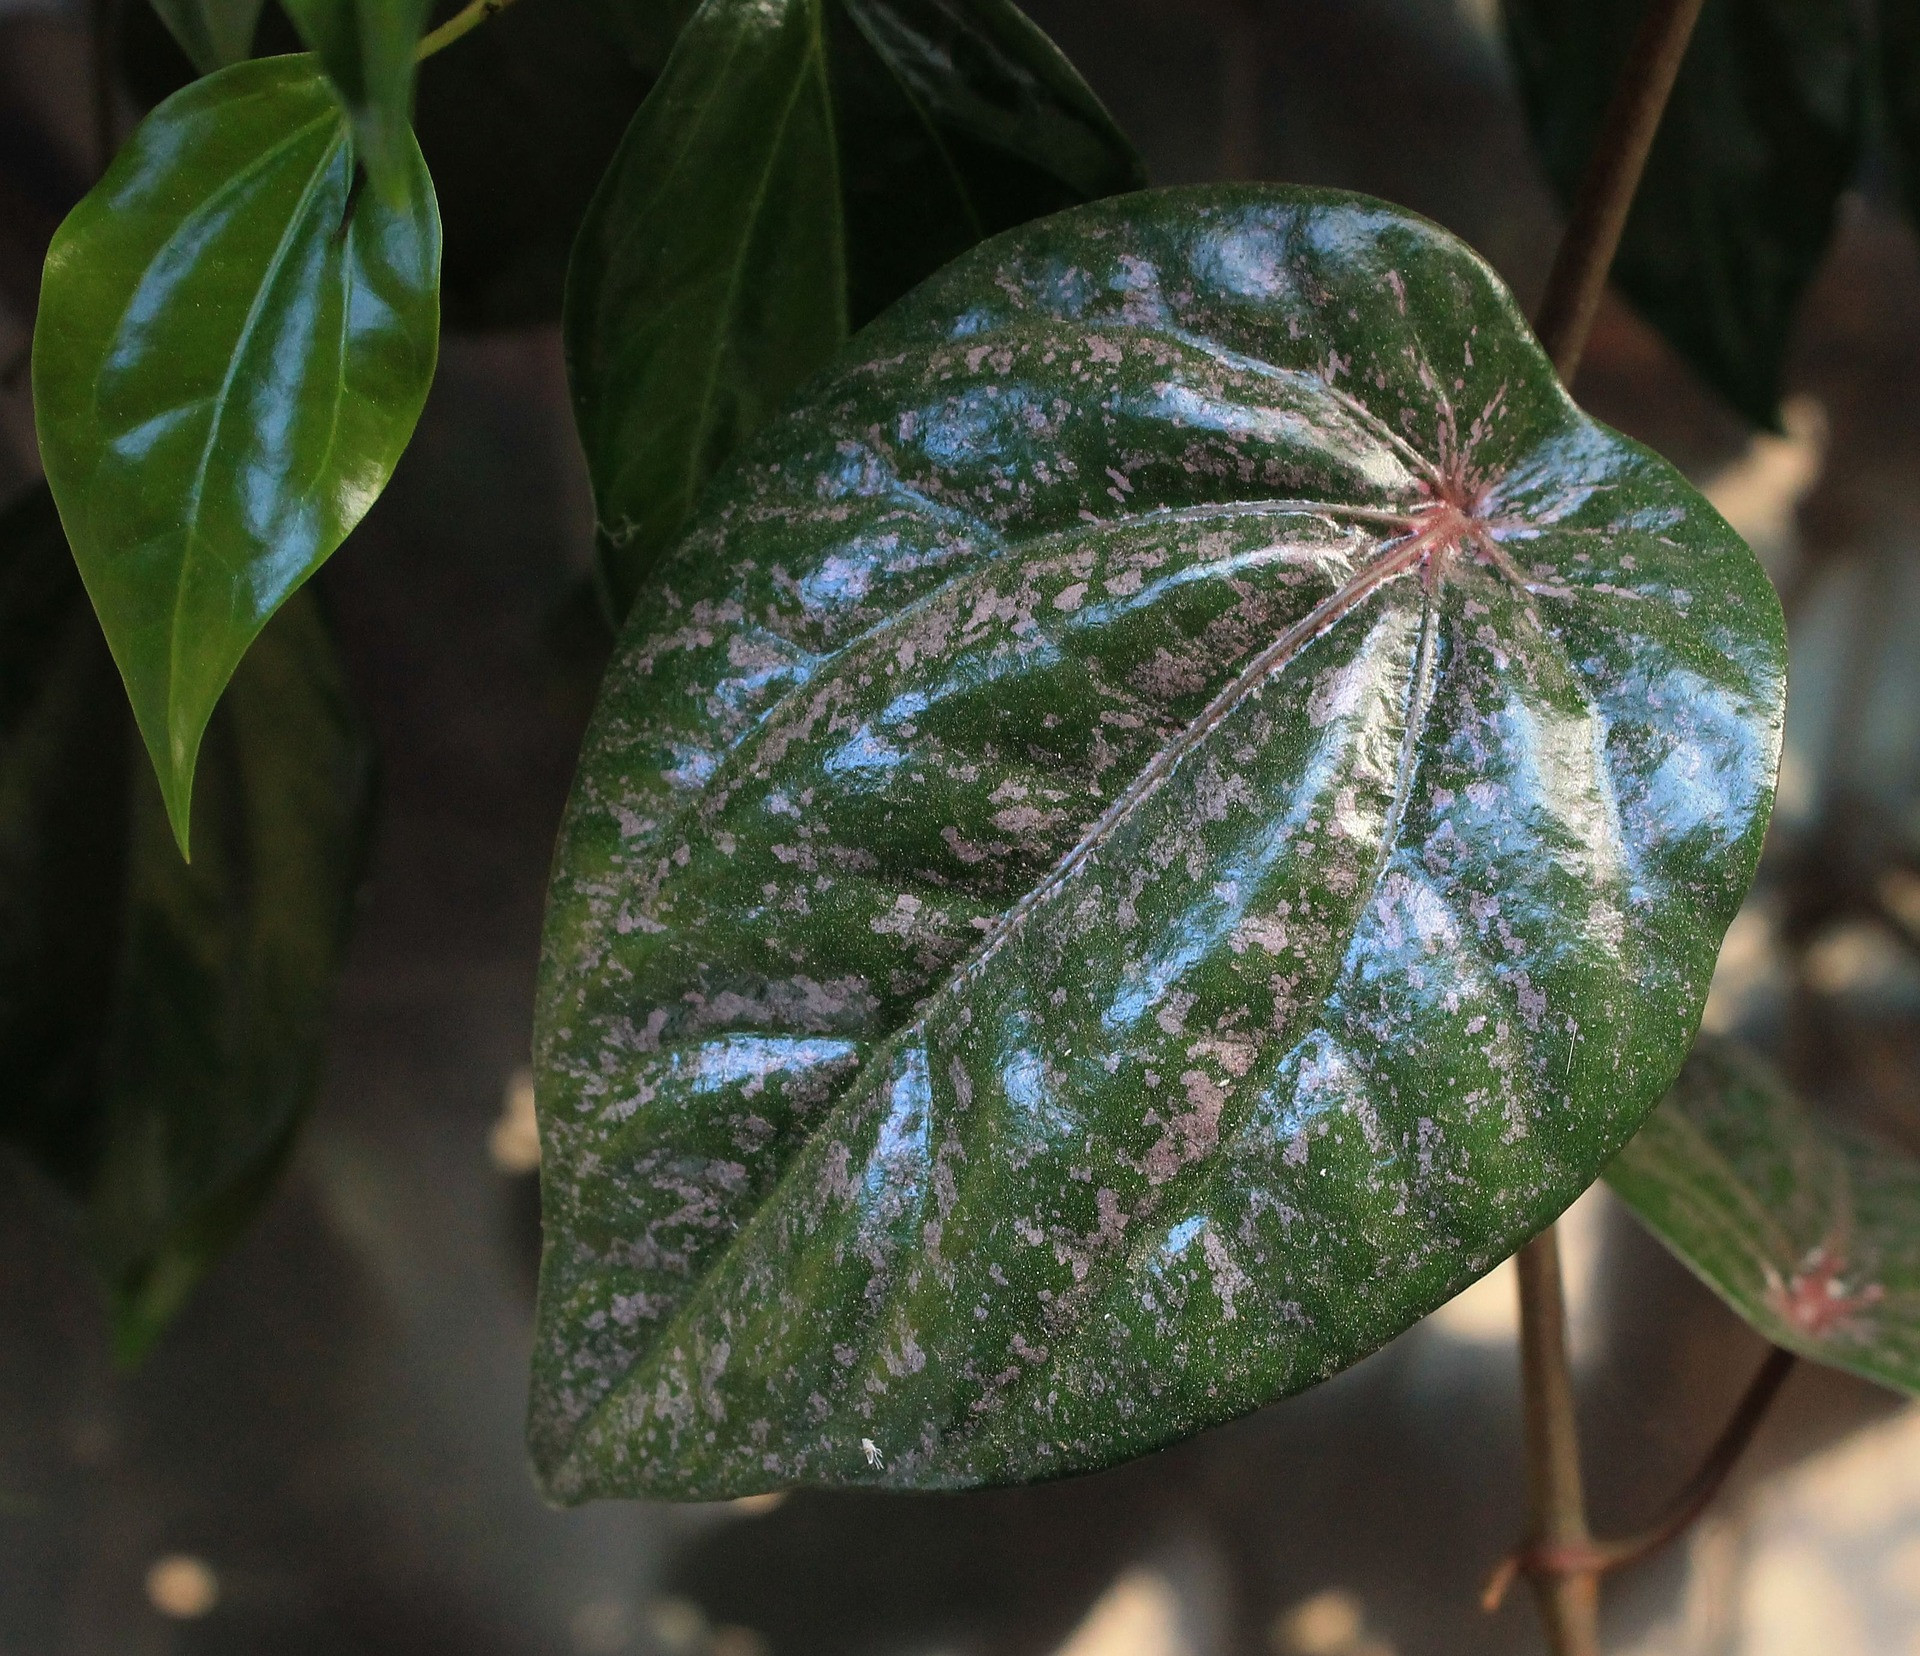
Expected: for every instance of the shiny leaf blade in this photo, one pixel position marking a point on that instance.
(230, 356)
(1806, 1228)
(957, 119)
(799, 167)
(708, 277)
(367, 49)
(213, 33)
(1174, 810)
(161, 1024)
(1738, 201)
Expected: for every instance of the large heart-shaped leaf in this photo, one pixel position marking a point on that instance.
(1174, 810)
(1738, 201)
(161, 1024)
(367, 49)
(213, 33)
(800, 164)
(230, 356)
(1810, 1230)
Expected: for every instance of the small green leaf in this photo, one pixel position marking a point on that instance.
(1810, 1230)
(214, 33)
(1737, 204)
(367, 49)
(800, 164)
(1166, 815)
(161, 1025)
(230, 356)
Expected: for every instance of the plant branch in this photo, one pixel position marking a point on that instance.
(1608, 185)
(1569, 1599)
(1595, 1558)
(463, 22)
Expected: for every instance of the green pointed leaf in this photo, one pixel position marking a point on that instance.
(1809, 1229)
(226, 365)
(161, 1024)
(1167, 815)
(213, 33)
(367, 49)
(1738, 201)
(800, 164)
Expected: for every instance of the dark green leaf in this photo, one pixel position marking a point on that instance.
(161, 1024)
(1808, 1229)
(1900, 92)
(1738, 201)
(799, 166)
(1174, 810)
(646, 29)
(229, 357)
(213, 33)
(366, 48)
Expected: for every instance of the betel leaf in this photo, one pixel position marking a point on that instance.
(230, 354)
(161, 1024)
(799, 165)
(1808, 1228)
(213, 33)
(1165, 817)
(367, 49)
(1739, 197)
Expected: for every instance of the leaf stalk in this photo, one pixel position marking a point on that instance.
(463, 22)
(1608, 186)
(1570, 1599)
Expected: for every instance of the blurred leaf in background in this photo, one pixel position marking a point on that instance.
(213, 33)
(800, 164)
(161, 1023)
(1810, 1230)
(1737, 206)
(229, 358)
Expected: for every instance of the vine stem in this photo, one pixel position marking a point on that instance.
(1607, 187)
(1570, 1598)
(463, 22)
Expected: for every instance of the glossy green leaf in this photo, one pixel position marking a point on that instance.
(161, 1024)
(1738, 201)
(1809, 1229)
(1163, 818)
(800, 164)
(367, 49)
(213, 33)
(226, 365)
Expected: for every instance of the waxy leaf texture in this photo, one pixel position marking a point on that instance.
(1808, 1227)
(232, 348)
(1172, 810)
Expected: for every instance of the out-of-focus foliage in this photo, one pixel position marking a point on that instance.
(1738, 202)
(1807, 1229)
(162, 1024)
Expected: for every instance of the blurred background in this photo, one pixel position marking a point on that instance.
(324, 1454)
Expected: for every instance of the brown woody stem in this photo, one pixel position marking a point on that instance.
(1608, 185)
(1570, 1598)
